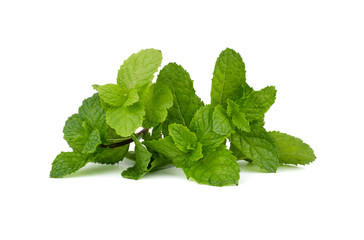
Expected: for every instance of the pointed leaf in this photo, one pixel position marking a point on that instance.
(292, 150)
(257, 103)
(185, 100)
(183, 138)
(228, 78)
(258, 146)
(137, 72)
(202, 125)
(218, 168)
(67, 163)
(237, 116)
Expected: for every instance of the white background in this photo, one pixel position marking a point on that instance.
(51, 52)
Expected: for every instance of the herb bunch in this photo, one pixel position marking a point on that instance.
(178, 128)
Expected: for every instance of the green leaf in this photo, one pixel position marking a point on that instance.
(257, 103)
(133, 97)
(137, 72)
(76, 132)
(168, 149)
(228, 78)
(157, 100)
(237, 116)
(185, 100)
(183, 138)
(112, 94)
(221, 122)
(202, 125)
(67, 163)
(125, 120)
(292, 150)
(92, 112)
(110, 155)
(92, 142)
(247, 89)
(218, 168)
(258, 146)
(158, 161)
(238, 154)
(194, 155)
(143, 158)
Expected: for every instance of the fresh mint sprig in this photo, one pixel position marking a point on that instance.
(185, 132)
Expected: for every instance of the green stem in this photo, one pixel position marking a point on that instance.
(125, 142)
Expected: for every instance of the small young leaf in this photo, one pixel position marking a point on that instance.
(183, 138)
(257, 103)
(202, 125)
(132, 98)
(237, 116)
(292, 150)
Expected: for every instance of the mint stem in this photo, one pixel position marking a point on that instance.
(125, 142)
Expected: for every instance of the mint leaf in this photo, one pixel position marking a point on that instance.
(202, 125)
(158, 99)
(238, 117)
(221, 122)
(183, 138)
(167, 147)
(292, 150)
(143, 158)
(92, 142)
(132, 98)
(257, 103)
(258, 146)
(228, 78)
(124, 102)
(112, 94)
(93, 113)
(217, 168)
(247, 89)
(238, 154)
(185, 132)
(67, 163)
(110, 155)
(125, 120)
(158, 161)
(185, 100)
(137, 72)
(76, 132)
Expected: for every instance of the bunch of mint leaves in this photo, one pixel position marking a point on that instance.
(178, 128)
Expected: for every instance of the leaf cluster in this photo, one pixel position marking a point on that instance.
(185, 132)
